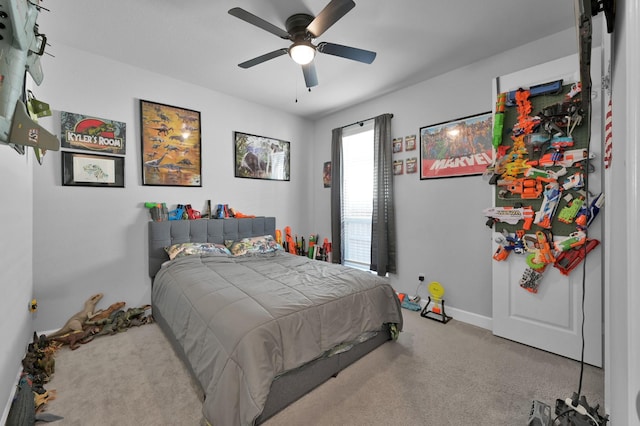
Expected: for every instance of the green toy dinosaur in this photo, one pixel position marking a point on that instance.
(74, 339)
(76, 322)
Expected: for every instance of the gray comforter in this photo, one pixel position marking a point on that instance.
(242, 321)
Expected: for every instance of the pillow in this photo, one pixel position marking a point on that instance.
(262, 244)
(187, 249)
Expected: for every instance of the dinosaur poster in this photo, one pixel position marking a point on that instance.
(170, 145)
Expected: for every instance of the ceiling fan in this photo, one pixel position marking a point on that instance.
(301, 30)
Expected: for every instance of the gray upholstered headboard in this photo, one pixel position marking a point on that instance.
(164, 234)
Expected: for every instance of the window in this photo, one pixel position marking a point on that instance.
(357, 195)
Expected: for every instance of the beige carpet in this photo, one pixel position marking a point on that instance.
(435, 374)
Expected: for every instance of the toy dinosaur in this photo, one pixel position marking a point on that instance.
(76, 322)
(99, 318)
(136, 313)
(75, 338)
(114, 324)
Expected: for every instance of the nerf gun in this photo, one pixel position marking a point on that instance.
(551, 197)
(525, 188)
(158, 211)
(587, 214)
(508, 244)
(178, 213)
(510, 215)
(191, 213)
(574, 240)
(498, 120)
(291, 245)
(570, 211)
(551, 88)
(312, 246)
(542, 254)
(568, 260)
(575, 181)
(545, 175)
(535, 143)
(564, 159)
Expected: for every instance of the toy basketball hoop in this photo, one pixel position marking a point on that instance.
(434, 308)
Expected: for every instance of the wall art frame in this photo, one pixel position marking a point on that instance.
(260, 157)
(83, 132)
(171, 148)
(455, 148)
(83, 169)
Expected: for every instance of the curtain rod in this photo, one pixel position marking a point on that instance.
(362, 121)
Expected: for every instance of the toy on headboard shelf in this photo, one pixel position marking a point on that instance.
(158, 211)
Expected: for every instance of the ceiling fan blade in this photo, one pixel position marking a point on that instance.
(347, 52)
(310, 76)
(331, 13)
(263, 58)
(258, 22)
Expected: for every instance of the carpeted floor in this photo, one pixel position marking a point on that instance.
(435, 374)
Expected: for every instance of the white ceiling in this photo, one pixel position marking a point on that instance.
(197, 41)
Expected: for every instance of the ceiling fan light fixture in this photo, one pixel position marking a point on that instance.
(302, 52)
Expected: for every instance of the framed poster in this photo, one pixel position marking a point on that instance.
(79, 169)
(326, 174)
(93, 134)
(171, 153)
(455, 148)
(260, 157)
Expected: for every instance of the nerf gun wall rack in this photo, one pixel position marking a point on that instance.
(540, 173)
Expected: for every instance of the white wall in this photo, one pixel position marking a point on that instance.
(441, 229)
(622, 297)
(16, 277)
(89, 240)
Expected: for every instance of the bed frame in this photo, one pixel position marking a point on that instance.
(290, 386)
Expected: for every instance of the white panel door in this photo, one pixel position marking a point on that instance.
(552, 318)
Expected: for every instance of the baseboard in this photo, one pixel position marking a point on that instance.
(466, 316)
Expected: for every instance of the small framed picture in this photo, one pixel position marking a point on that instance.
(79, 169)
(397, 145)
(398, 167)
(412, 165)
(410, 143)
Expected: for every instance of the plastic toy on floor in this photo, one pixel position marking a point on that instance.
(436, 302)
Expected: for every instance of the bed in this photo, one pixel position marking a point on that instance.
(260, 329)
